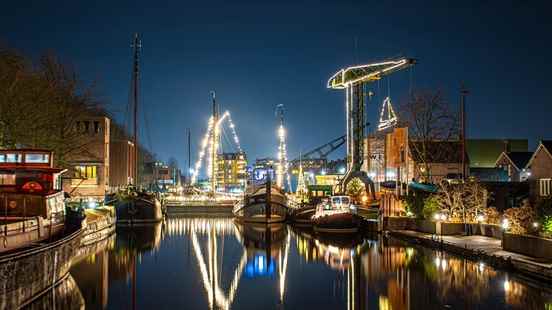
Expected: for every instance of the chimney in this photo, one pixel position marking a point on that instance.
(507, 146)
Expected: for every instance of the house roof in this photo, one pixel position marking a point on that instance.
(546, 145)
(484, 152)
(519, 159)
(439, 152)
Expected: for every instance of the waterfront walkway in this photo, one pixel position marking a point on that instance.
(482, 248)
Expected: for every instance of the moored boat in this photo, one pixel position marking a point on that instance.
(336, 216)
(265, 203)
(40, 235)
(303, 214)
(134, 207)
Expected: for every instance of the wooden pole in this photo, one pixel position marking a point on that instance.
(268, 207)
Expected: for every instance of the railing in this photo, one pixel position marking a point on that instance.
(32, 251)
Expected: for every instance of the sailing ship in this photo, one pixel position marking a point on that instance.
(336, 216)
(37, 230)
(132, 204)
(265, 203)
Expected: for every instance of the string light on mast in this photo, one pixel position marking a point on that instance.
(282, 165)
(211, 141)
(388, 118)
(204, 144)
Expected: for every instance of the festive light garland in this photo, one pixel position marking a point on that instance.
(211, 140)
(391, 119)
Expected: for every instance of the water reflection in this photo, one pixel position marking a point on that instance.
(219, 264)
(64, 296)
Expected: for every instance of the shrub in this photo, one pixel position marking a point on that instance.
(544, 215)
(547, 226)
(521, 219)
(492, 216)
(415, 204)
(431, 206)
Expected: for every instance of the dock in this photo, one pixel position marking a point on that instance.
(208, 208)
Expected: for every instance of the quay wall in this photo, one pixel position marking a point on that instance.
(408, 223)
(528, 245)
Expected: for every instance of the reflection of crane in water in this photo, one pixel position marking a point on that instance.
(210, 266)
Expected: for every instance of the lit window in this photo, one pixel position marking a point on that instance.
(86, 172)
(545, 187)
(7, 179)
(12, 158)
(37, 158)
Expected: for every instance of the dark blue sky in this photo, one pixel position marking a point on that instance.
(258, 54)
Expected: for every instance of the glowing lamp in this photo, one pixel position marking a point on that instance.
(32, 186)
(505, 224)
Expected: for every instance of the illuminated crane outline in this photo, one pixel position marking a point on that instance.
(352, 79)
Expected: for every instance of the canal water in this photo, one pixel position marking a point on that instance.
(214, 263)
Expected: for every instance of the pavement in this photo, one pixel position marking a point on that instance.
(483, 247)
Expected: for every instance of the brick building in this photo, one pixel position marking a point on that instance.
(540, 167)
(88, 176)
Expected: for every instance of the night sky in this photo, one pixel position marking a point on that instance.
(257, 55)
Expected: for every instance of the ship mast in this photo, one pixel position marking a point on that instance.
(214, 144)
(136, 45)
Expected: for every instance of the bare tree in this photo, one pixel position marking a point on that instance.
(40, 106)
(430, 120)
(463, 202)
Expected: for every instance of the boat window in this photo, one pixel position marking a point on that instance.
(345, 200)
(7, 179)
(336, 200)
(11, 158)
(37, 158)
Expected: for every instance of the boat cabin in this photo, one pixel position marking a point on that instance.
(339, 203)
(29, 185)
(335, 204)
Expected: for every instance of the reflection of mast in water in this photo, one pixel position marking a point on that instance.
(355, 285)
(209, 273)
(283, 268)
(133, 275)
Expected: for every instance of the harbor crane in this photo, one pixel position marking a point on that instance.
(352, 80)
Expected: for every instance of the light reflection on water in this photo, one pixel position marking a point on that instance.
(197, 263)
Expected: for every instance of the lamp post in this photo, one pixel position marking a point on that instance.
(505, 225)
(439, 218)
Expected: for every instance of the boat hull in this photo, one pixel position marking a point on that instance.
(256, 213)
(303, 215)
(136, 211)
(266, 204)
(345, 223)
(29, 273)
